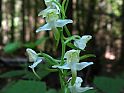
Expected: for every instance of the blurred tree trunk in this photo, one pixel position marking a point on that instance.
(23, 22)
(80, 14)
(89, 30)
(1, 22)
(12, 20)
(121, 61)
(36, 16)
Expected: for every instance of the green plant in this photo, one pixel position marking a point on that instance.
(69, 63)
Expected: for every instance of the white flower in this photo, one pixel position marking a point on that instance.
(81, 43)
(52, 5)
(72, 62)
(33, 57)
(76, 88)
(52, 19)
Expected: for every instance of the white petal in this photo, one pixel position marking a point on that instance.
(36, 63)
(83, 89)
(65, 66)
(32, 55)
(72, 55)
(44, 27)
(80, 66)
(61, 23)
(81, 43)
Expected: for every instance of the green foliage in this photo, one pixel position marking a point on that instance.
(12, 47)
(90, 91)
(42, 72)
(109, 85)
(25, 86)
(86, 56)
(11, 74)
(36, 43)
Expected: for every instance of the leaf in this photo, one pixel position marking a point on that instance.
(12, 47)
(109, 85)
(41, 71)
(51, 91)
(12, 74)
(91, 91)
(48, 58)
(40, 40)
(87, 56)
(26, 86)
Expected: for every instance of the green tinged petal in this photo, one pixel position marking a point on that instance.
(72, 56)
(81, 43)
(32, 55)
(65, 66)
(61, 23)
(82, 65)
(44, 27)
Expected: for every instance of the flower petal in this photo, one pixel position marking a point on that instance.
(61, 23)
(65, 66)
(83, 89)
(81, 43)
(80, 66)
(39, 59)
(32, 55)
(72, 55)
(45, 27)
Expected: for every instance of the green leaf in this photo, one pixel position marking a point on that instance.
(49, 59)
(41, 71)
(40, 40)
(51, 91)
(12, 74)
(91, 91)
(26, 86)
(87, 56)
(12, 47)
(109, 85)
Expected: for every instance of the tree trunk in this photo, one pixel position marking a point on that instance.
(12, 20)
(1, 38)
(23, 22)
(121, 61)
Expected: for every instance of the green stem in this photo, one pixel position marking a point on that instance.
(66, 5)
(74, 74)
(36, 74)
(63, 47)
(67, 31)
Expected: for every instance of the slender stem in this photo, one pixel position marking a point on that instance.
(67, 2)
(36, 74)
(63, 47)
(67, 31)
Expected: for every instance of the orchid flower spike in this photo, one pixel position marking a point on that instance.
(72, 62)
(33, 57)
(76, 88)
(52, 19)
(81, 43)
